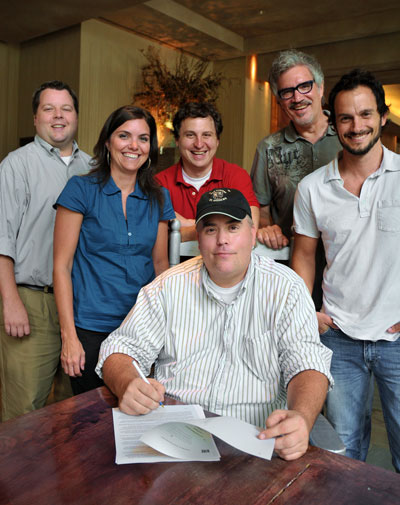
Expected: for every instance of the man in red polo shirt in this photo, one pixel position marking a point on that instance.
(197, 129)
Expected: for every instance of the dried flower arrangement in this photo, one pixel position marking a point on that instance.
(165, 90)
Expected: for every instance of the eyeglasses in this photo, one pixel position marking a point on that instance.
(303, 88)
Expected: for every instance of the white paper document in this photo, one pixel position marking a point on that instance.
(128, 431)
(181, 433)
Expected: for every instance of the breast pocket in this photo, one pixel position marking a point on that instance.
(261, 356)
(389, 215)
(335, 232)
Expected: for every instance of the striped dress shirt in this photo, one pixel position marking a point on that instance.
(233, 359)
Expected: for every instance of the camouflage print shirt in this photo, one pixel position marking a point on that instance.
(281, 161)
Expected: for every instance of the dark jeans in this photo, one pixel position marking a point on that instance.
(91, 342)
(353, 362)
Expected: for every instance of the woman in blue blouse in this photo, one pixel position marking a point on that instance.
(110, 239)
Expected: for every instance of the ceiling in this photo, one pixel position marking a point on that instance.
(214, 29)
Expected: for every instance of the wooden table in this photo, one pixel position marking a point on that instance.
(64, 454)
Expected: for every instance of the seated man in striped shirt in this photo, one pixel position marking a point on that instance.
(229, 330)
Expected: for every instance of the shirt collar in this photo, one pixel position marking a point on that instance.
(389, 163)
(51, 149)
(110, 188)
(332, 169)
(216, 172)
(291, 134)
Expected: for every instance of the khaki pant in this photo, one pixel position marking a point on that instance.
(29, 365)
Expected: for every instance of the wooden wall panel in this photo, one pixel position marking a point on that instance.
(245, 108)
(257, 118)
(54, 56)
(231, 104)
(389, 140)
(9, 66)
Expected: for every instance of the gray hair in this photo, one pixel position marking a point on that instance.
(291, 58)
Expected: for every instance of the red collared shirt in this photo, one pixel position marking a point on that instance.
(185, 197)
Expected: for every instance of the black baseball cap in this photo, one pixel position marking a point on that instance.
(226, 201)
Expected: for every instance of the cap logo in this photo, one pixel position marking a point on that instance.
(226, 201)
(218, 195)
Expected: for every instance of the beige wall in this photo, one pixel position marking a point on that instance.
(9, 67)
(54, 56)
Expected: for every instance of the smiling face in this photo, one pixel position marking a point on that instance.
(56, 120)
(129, 147)
(197, 144)
(358, 122)
(303, 110)
(226, 245)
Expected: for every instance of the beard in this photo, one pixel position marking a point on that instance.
(363, 150)
(301, 121)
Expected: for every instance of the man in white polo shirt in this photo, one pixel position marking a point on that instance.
(353, 203)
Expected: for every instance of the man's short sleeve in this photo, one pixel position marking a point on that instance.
(259, 175)
(13, 202)
(300, 346)
(303, 215)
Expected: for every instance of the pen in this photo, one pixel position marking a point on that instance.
(143, 377)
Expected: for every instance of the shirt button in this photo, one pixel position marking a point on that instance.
(129, 234)
(193, 193)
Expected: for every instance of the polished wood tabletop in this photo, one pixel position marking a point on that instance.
(65, 454)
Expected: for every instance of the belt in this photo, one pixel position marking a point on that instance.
(45, 289)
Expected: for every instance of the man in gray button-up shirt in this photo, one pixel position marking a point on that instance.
(31, 178)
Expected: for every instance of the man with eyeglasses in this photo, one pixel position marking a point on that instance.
(285, 157)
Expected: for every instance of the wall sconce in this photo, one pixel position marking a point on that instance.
(253, 67)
